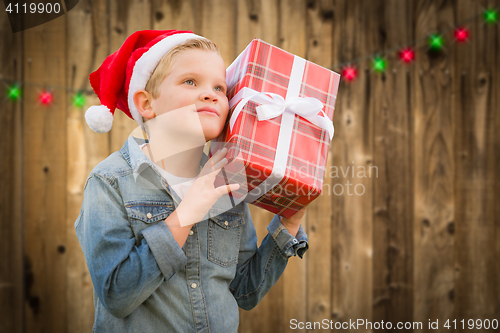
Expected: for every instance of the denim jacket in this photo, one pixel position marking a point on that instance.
(143, 281)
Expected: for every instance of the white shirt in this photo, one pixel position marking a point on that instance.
(179, 184)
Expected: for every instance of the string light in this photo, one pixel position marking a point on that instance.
(14, 92)
(349, 73)
(45, 97)
(407, 55)
(78, 100)
(491, 16)
(461, 34)
(379, 64)
(436, 42)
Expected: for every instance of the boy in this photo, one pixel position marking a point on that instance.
(164, 258)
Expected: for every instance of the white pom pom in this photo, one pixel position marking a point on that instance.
(99, 118)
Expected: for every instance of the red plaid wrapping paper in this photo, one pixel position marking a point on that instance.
(252, 144)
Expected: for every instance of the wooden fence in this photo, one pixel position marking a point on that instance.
(418, 239)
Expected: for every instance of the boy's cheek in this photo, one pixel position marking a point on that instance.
(225, 108)
(225, 121)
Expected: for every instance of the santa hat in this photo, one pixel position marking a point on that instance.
(126, 71)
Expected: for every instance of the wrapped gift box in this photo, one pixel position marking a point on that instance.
(279, 128)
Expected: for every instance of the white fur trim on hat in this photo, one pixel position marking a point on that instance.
(147, 63)
(99, 118)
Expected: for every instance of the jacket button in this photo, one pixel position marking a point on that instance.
(226, 223)
(191, 232)
(194, 285)
(149, 215)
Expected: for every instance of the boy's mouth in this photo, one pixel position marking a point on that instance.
(208, 110)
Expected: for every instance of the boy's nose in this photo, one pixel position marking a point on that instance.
(208, 95)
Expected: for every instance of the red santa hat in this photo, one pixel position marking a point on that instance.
(126, 71)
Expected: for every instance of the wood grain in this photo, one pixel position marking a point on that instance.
(392, 155)
(11, 177)
(45, 178)
(352, 149)
(492, 37)
(218, 25)
(434, 170)
(476, 294)
(319, 18)
(88, 45)
(257, 19)
(173, 14)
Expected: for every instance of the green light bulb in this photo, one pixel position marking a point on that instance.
(491, 16)
(379, 64)
(436, 42)
(14, 93)
(78, 100)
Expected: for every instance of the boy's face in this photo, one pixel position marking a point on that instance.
(198, 78)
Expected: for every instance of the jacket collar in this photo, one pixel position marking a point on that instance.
(137, 159)
(134, 155)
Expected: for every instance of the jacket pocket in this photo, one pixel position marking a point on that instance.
(224, 232)
(143, 214)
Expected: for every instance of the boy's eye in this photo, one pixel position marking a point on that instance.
(218, 88)
(190, 82)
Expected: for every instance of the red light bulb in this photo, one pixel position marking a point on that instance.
(407, 55)
(45, 97)
(461, 34)
(349, 73)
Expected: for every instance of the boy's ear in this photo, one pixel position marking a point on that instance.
(142, 100)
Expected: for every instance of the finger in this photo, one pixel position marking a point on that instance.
(215, 169)
(297, 216)
(225, 189)
(219, 165)
(217, 156)
(214, 160)
(303, 209)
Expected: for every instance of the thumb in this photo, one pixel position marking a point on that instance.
(225, 189)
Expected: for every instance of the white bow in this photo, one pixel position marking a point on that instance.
(273, 105)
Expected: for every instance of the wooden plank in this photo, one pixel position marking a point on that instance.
(178, 15)
(11, 227)
(45, 178)
(352, 213)
(126, 17)
(216, 20)
(257, 19)
(493, 38)
(434, 169)
(88, 45)
(476, 294)
(320, 16)
(293, 39)
(392, 155)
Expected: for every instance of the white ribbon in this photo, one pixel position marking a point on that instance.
(274, 105)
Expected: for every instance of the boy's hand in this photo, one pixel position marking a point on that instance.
(292, 224)
(202, 195)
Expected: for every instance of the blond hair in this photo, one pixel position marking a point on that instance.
(165, 65)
